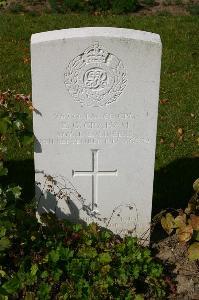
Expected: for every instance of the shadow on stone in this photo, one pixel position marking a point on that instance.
(37, 146)
(172, 184)
(49, 204)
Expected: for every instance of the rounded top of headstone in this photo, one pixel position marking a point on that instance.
(82, 32)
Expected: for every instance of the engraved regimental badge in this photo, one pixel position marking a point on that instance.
(95, 77)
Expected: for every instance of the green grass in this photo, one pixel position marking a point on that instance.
(177, 162)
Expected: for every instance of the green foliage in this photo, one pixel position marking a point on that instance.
(15, 123)
(115, 6)
(194, 251)
(61, 262)
(193, 9)
(186, 224)
(124, 6)
(3, 3)
(196, 185)
(16, 7)
(148, 2)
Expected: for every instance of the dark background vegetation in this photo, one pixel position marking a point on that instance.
(96, 7)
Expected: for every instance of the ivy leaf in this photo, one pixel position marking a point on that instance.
(44, 291)
(77, 227)
(3, 170)
(2, 231)
(3, 148)
(3, 297)
(18, 124)
(56, 274)
(12, 285)
(106, 235)
(104, 258)
(29, 296)
(4, 125)
(34, 269)
(27, 139)
(194, 222)
(189, 208)
(196, 185)
(87, 252)
(196, 236)
(44, 274)
(16, 191)
(2, 273)
(139, 297)
(193, 251)
(4, 243)
(168, 223)
(93, 228)
(105, 269)
(65, 253)
(184, 233)
(54, 255)
(180, 221)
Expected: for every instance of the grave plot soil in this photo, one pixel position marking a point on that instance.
(184, 273)
(166, 7)
(162, 7)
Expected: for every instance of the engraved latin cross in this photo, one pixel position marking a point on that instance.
(94, 173)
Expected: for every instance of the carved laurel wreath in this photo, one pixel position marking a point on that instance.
(95, 77)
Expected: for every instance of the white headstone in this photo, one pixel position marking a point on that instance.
(95, 93)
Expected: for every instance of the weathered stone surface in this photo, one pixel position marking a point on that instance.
(95, 91)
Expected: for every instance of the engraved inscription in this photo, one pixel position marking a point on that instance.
(95, 128)
(94, 173)
(95, 77)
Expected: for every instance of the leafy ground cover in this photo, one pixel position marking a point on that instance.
(64, 261)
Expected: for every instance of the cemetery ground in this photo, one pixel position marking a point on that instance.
(177, 152)
(133, 7)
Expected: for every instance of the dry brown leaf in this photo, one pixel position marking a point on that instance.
(161, 141)
(26, 59)
(168, 223)
(172, 145)
(194, 251)
(31, 108)
(180, 221)
(164, 101)
(196, 185)
(180, 131)
(194, 222)
(184, 233)
(195, 154)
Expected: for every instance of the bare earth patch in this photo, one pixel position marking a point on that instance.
(174, 254)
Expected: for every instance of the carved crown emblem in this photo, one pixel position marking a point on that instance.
(95, 54)
(95, 77)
